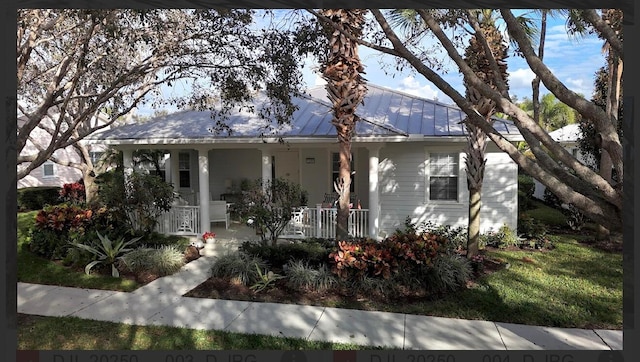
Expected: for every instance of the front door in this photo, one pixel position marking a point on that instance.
(287, 165)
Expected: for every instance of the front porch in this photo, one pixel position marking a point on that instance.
(317, 222)
(203, 174)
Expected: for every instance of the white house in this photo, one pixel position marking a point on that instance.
(408, 158)
(50, 173)
(568, 137)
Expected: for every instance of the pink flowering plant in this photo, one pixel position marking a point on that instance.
(208, 235)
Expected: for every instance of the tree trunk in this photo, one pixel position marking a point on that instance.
(535, 83)
(343, 188)
(90, 186)
(345, 90)
(473, 241)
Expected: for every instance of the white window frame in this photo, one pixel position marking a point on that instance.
(95, 156)
(332, 173)
(184, 166)
(44, 169)
(458, 175)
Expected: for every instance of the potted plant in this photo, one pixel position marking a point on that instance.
(209, 237)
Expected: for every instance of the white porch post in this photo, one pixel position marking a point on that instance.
(266, 165)
(127, 162)
(374, 199)
(203, 178)
(167, 169)
(174, 162)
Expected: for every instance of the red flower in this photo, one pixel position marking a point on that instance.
(208, 235)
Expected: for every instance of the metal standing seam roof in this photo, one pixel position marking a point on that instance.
(385, 113)
(568, 133)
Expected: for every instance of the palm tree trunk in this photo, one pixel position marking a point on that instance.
(475, 164)
(346, 90)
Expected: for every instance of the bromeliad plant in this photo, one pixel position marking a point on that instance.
(107, 252)
(265, 279)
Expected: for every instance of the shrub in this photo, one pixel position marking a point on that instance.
(73, 193)
(36, 198)
(136, 203)
(363, 257)
(530, 228)
(162, 261)
(456, 236)
(238, 265)
(526, 185)
(63, 217)
(300, 275)
(48, 243)
(53, 226)
(156, 240)
(449, 273)
(314, 252)
(268, 204)
(551, 199)
(76, 257)
(575, 219)
(503, 238)
(526, 188)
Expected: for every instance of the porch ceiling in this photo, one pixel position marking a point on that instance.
(389, 116)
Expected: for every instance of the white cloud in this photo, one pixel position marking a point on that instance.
(520, 78)
(412, 86)
(583, 86)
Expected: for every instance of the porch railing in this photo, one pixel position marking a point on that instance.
(315, 222)
(180, 220)
(320, 222)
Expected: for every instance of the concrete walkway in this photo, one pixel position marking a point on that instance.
(161, 303)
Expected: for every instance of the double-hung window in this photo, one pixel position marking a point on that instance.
(48, 169)
(184, 166)
(335, 170)
(443, 176)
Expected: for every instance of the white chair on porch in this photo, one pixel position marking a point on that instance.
(219, 212)
(296, 224)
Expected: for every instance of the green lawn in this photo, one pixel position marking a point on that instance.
(68, 333)
(37, 270)
(573, 285)
(570, 286)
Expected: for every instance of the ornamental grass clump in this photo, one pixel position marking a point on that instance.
(238, 266)
(161, 261)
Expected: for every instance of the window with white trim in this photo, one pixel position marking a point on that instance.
(48, 170)
(95, 157)
(335, 170)
(443, 176)
(184, 164)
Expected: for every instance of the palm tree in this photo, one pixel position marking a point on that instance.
(486, 39)
(346, 90)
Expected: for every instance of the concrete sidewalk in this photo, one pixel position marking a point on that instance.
(161, 303)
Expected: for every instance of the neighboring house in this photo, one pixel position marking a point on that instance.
(50, 173)
(408, 158)
(568, 137)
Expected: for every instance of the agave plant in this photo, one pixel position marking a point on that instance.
(107, 252)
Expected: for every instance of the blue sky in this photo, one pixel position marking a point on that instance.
(573, 60)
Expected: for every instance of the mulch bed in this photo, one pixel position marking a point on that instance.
(225, 288)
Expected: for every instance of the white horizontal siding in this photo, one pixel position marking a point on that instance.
(499, 192)
(403, 183)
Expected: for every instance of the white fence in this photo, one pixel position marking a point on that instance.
(316, 222)
(320, 222)
(180, 220)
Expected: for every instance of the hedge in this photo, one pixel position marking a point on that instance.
(35, 198)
